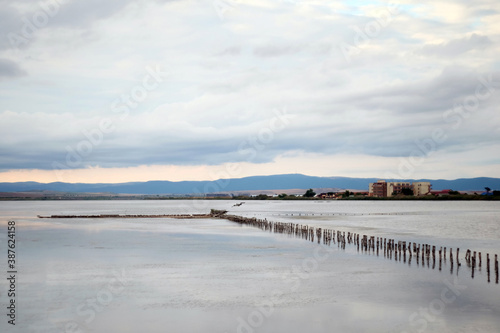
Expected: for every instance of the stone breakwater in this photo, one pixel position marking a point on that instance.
(128, 216)
(423, 254)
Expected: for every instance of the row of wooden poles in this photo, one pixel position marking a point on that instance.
(400, 250)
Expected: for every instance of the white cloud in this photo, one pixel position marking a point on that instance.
(226, 76)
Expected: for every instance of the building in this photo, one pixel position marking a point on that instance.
(378, 189)
(383, 189)
(421, 188)
(395, 188)
(441, 193)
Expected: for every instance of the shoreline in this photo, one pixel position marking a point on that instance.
(236, 198)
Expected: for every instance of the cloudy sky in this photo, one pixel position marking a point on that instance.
(118, 90)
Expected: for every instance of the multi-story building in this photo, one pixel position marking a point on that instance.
(383, 189)
(378, 189)
(421, 188)
(395, 188)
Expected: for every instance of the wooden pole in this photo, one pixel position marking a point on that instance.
(488, 266)
(496, 267)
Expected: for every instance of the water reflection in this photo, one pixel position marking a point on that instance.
(206, 275)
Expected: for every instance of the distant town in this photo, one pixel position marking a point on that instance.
(406, 190)
(388, 190)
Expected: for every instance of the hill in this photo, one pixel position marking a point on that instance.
(255, 183)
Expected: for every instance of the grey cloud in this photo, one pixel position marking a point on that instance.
(10, 23)
(457, 46)
(231, 51)
(166, 143)
(84, 13)
(17, 27)
(485, 12)
(126, 153)
(388, 121)
(9, 68)
(276, 50)
(430, 95)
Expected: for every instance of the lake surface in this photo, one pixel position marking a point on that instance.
(211, 275)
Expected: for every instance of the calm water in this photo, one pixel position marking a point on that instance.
(165, 275)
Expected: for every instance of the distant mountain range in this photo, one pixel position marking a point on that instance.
(275, 182)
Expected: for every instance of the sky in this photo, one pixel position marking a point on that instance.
(118, 90)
